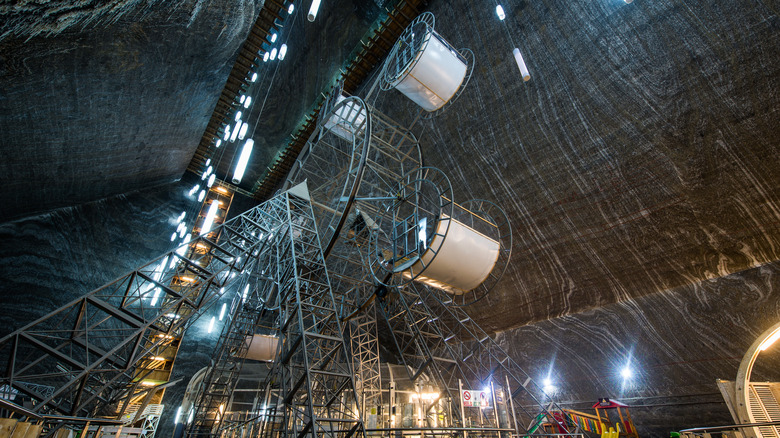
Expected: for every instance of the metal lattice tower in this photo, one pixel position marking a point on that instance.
(311, 391)
(95, 351)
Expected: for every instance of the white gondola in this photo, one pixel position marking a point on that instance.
(424, 236)
(425, 67)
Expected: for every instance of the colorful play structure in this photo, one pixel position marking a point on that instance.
(619, 426)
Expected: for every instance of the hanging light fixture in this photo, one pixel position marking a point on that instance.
(243, 160)
(500, 12)
(291, 8)
(254, 77)
(227, 133)
(211, 214)
(242, 131)
(282, 51)
(273, 37)
(219, 143)
(238, 115)
(273, 53)
(248, 101)
(521, 65)
(313, 9)
(234, 135)
(265, 57)
(211, 180)
(201, 195)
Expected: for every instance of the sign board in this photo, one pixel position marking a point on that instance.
(475, 399)
(604, 402)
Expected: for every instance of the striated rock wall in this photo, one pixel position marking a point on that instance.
(677, 342)
(103, 98)
(640, 156)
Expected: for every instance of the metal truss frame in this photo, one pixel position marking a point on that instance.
(482, 360)
(91, 349)
(312, 381)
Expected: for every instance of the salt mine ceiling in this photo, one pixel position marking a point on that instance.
(640, 157)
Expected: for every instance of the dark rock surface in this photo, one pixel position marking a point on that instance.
(678, 343)
(640, 157)
(50, 259)
(116, 101)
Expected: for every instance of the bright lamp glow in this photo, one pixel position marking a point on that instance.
(211, 214)
(769, 341)
(315, 7)
(521, 65)
(273, 37)
(194, 189)
(201, 195)
(183, 248)
(243, 160)
(157, 276)
(211, 324)
(273, 53)
(219, 143)
(227, 133)
(291, 8)
(246, 292)
(222, 311)
(238, 115)
(173, 236)
(265, 57)
(208, 161)
(248, 101)
(178, 414)
(242, 131)
(234, 135)
(211, 180)
(241, 100)
(282, 51)
(254, 77)
(500, 12)
(626, 372)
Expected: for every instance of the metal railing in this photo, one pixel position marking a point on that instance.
(732, 430)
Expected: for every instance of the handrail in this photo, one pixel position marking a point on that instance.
(730, 427)
(5, 404)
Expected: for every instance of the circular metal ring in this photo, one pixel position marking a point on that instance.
(412, 227)
(332, 163)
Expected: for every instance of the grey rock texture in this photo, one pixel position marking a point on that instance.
(50, 259)
(638, 167)
(677, 342)
(116, 101)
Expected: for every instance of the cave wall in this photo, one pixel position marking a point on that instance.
(640, 157)
(50, 259)
(103, 98)
(638, 168)
(677, 342)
